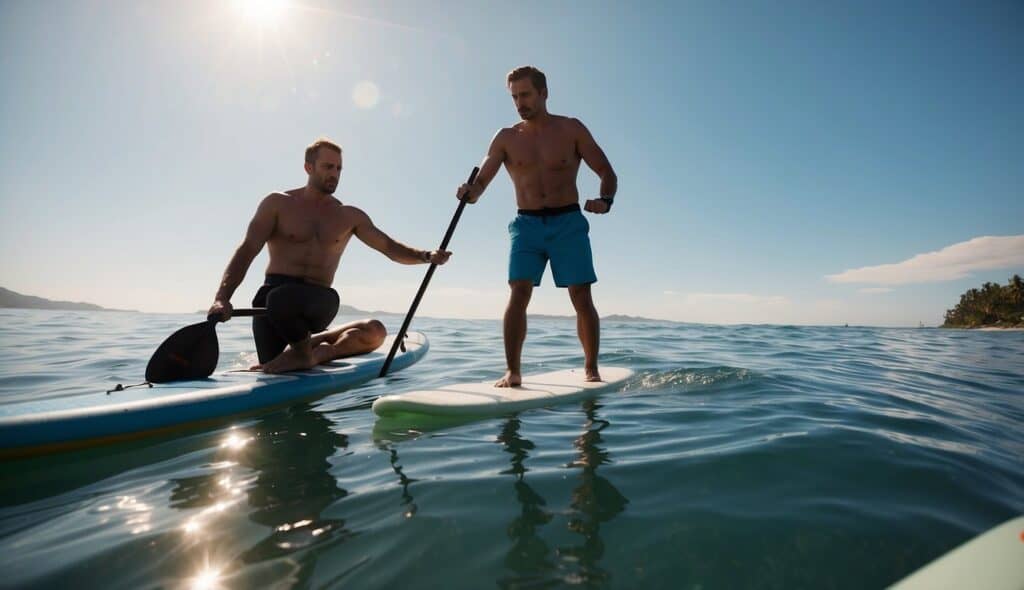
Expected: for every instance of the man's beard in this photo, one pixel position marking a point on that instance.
(326, 186)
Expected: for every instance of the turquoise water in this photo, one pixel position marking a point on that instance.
(739, 457)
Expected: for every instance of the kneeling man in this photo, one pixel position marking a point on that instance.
(306, 230)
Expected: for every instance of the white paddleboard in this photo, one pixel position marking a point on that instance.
(993, 560)
(483, 398)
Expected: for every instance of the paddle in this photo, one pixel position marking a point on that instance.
(191, 352)
(426, 279)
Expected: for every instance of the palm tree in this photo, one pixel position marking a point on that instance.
(1016, 290)
(992, 304)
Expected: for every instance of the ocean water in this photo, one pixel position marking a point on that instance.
(738, 457)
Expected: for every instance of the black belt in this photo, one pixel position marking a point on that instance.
(549, 211)
(274, 280)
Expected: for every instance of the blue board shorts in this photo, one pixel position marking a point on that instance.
(561, 235)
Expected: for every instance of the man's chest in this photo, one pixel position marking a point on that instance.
(541, 151)
(326, 227)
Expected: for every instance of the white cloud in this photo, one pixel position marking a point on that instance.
(874, 290)
(948, 264)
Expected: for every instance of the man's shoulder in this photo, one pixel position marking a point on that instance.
(505, 132)
(279, 196)
(569, 122)
(351, 211)
(273, 201)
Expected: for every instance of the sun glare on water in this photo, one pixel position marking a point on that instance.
(206, 580)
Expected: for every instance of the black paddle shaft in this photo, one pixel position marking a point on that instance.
(426, 280)
(246, 312)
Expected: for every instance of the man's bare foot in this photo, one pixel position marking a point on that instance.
(292, 359)
(511, 379)
(592, 376)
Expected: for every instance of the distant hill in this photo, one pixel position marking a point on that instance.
(544, 316)
(347, 310)
(630, 318)
(610, 318)
(11, 299)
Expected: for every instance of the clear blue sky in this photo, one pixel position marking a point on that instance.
(766, 151)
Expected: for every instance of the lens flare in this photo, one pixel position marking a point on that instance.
(261, 13)
(366, 94)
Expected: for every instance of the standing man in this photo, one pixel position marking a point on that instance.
(306, 230)
(542, 154)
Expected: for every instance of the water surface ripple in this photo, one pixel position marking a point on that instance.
(736, 457)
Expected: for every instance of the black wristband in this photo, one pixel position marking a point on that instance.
(608, 201)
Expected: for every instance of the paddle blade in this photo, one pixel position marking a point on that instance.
(189, 353)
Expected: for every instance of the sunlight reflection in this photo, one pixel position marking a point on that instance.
(208, 579)
(222, 464)
(140, 514)
(218, 507)
(296, 525)
(235, 441)
(194, 526)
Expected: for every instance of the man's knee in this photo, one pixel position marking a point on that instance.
(375, 331)
(520, 292)
(581, 297)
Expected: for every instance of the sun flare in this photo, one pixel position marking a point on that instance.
(262, 13)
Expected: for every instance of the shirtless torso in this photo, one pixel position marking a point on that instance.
(307, 235)
(542, 162)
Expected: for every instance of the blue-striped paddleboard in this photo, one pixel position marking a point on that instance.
(57, 424)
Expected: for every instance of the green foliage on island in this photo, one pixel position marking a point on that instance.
(992, 305)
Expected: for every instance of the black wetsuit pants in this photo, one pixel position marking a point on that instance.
(295, 309)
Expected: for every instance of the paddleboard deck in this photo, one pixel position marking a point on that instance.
(993, 560)
(482, 398)
(51, 425)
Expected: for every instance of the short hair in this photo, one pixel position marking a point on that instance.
(540, 81)
(314, 149)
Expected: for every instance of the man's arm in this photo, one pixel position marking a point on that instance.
(260, 229)
(397, 251)
(594, 156)
(488, 168)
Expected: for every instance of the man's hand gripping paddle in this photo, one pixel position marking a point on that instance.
(191, 352)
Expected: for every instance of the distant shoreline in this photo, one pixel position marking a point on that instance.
(347, 310)
(14, 300)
